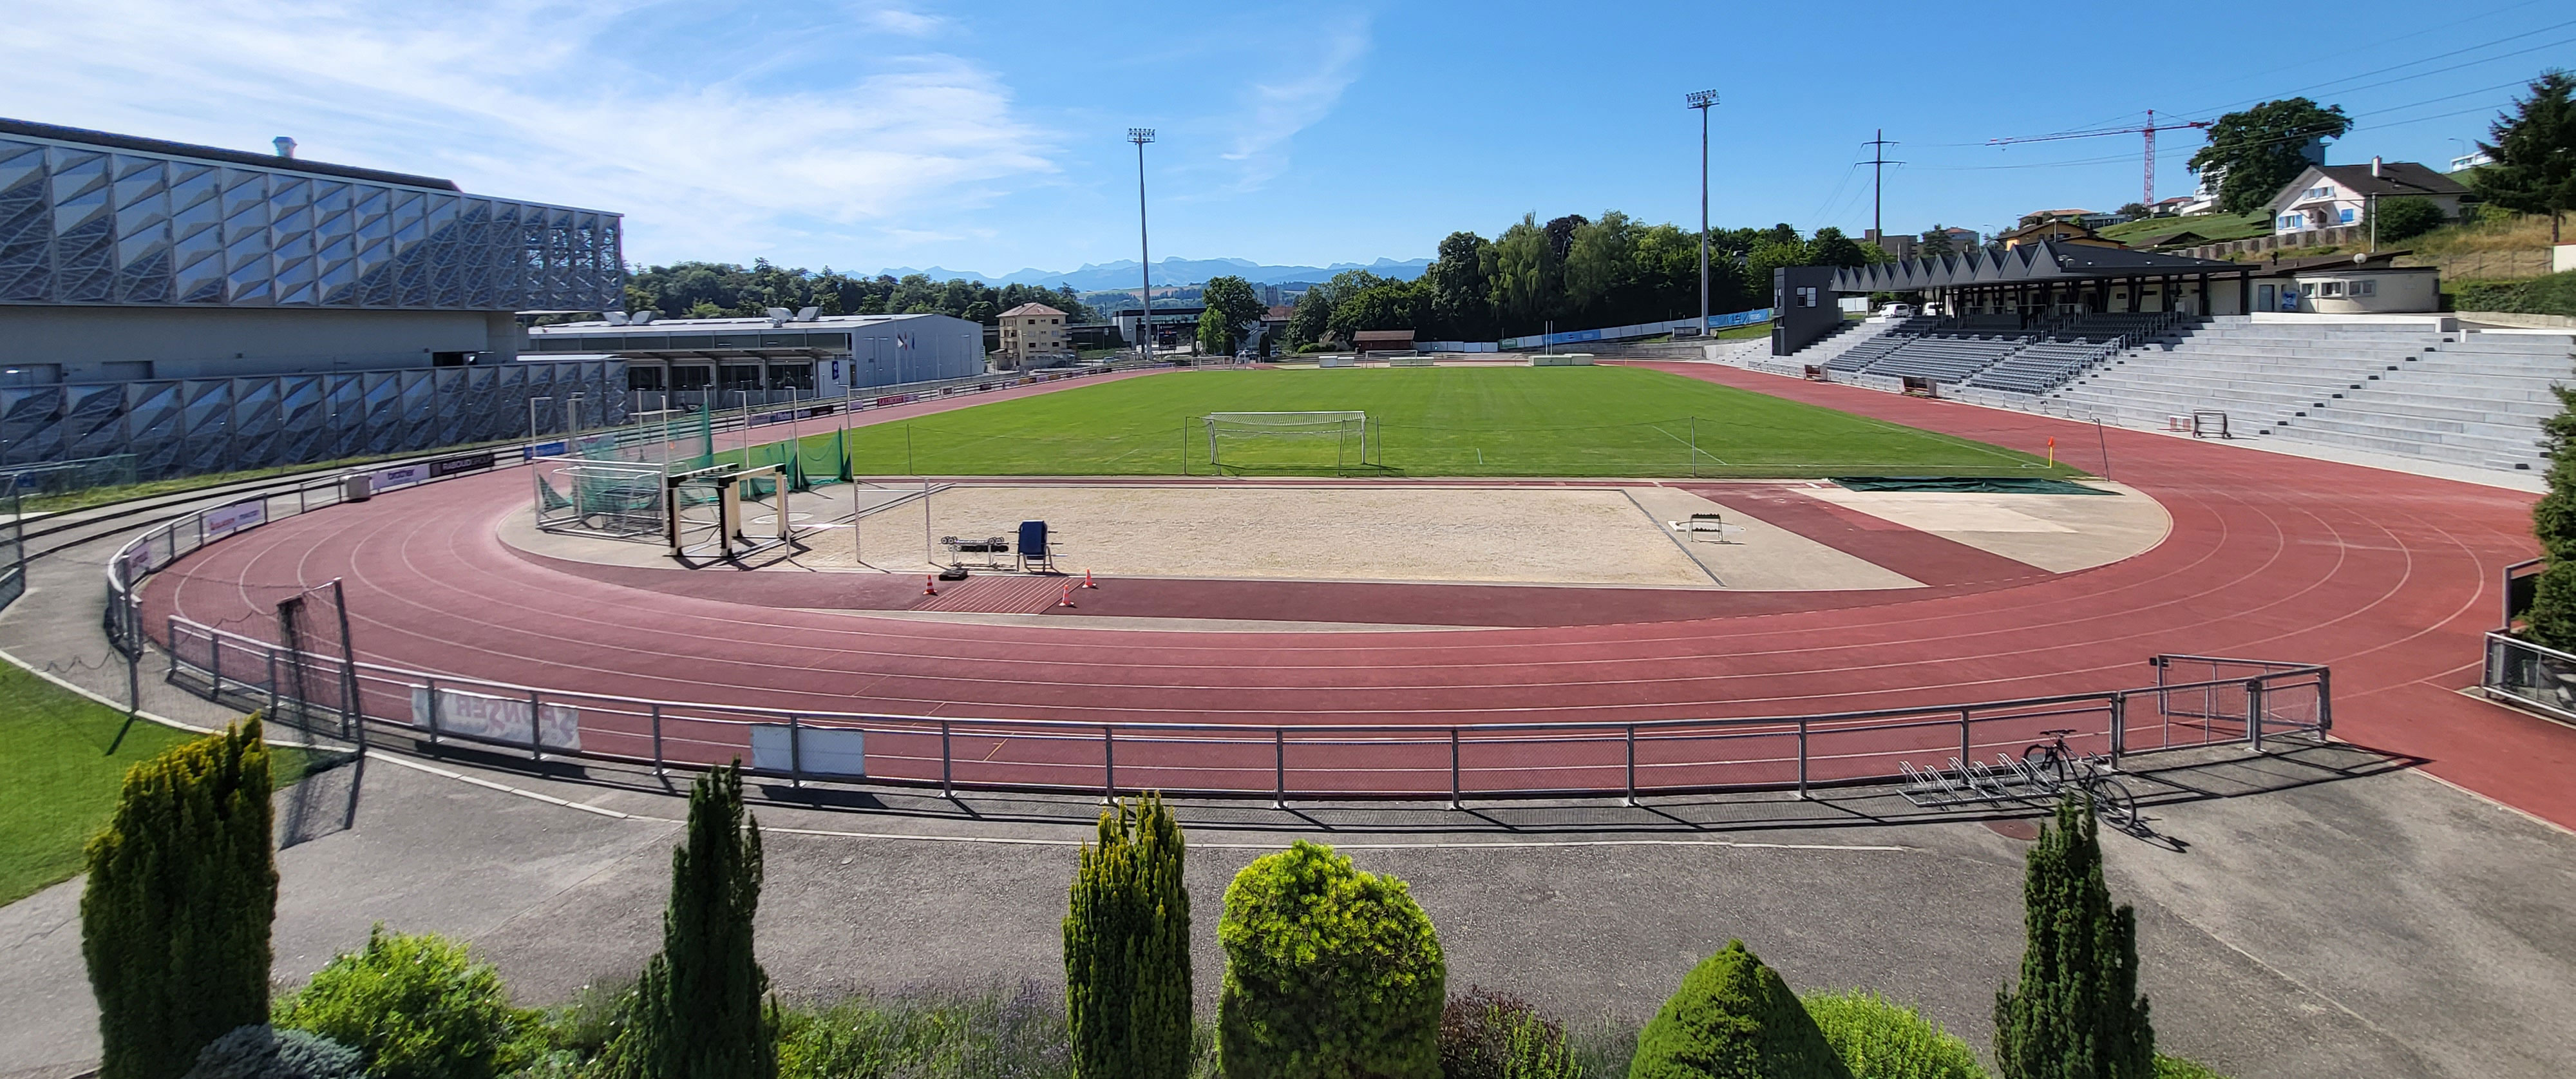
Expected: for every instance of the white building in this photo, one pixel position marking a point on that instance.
(725, 361)
(2325, 196)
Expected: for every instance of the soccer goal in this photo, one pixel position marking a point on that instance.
(1288, 439)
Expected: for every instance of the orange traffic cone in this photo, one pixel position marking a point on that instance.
(1086, 580)
(1067, 601)
(930, 584)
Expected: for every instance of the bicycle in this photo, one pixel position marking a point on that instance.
(2055, 764)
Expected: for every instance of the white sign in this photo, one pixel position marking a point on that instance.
(225, 520)
(389, 478)
(498, 719)
(813, 751)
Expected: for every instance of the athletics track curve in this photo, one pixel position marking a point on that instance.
(2388, 578)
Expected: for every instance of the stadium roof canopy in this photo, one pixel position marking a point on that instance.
(2042, 263)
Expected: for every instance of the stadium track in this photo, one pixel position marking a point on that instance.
(2387, 577)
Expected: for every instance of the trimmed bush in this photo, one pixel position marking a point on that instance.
(2077, 1013)
(2179, 1068)
(2551, 295)
(175, 917)
(263, 1052)
(1733, 1018)
(2551, 621)
(1330, 973)
(1881, 1039)
(1127, 949)
(1489, 1035)
(416, 1007)
(701, 1006)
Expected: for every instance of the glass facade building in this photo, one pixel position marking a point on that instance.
(91, 218)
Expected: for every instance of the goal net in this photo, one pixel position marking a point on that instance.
(1288, 439)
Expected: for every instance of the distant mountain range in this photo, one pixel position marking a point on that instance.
(1173, 272)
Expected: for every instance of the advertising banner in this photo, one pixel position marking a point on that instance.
(387, 479)
(464, 462)
(813, 751)
(226, 520)
(510, 720)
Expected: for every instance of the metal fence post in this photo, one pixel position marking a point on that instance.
(215, 665)
(433, 711)
(2119, 727)
(1279, 767)
(1108, 764)
(1802, 756)
(536, 727)
(2254, 713)
(795, 751)
(1631, 739)
(1454, 802)
(947, 779)
(272, 683)
(2325, 701)
(657, 740)
(1966, 751)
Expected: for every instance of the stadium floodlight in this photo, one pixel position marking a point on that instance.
(1703, 100)
(1144, 247)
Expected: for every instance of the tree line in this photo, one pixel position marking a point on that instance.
(1575, 271)
(719, 290)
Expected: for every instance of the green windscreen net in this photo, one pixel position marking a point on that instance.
(2006, 485)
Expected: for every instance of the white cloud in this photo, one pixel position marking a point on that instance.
(1275, 111)
(716, 134)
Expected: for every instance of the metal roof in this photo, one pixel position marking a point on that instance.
(2039, 263)
(113, 141)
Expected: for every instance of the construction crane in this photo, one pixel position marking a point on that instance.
(2149, 130)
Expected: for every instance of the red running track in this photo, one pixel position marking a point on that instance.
(2387, 577)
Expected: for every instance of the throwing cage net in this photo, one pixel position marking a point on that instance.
(1288, 440)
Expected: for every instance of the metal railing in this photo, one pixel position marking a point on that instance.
(2530, 675)
(2196, 701)
(2249, 701)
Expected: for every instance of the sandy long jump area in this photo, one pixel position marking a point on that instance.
(1578, 535)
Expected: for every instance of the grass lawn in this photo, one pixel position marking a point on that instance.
(2211, 227)
(63, 785)
(1444, 421)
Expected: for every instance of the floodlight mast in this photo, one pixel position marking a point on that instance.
(1144, 248)
(1703, 100)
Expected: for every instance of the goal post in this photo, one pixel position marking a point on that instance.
(1348, 430)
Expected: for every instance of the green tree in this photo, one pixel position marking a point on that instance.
(1832, 248)
(2551, 621)
(2260, 150)
(416, 1007)
(1127, 949)
(175, 917)
(1936, 242)
(1733, 1018)
(1462, 300)
(2400, 220)
(1522, 267)
(2135, 211)
(701, 1004)
(1601, 269)
(2077, 1013)
(1386, 305)
(1233, 308)
(1330, 973)
(2535, 153)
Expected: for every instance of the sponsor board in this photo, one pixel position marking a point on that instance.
(498, 719)
(543, 449)
(386, 479)
(240, 516)
(137, 562)
(897, 399)
(465, 462)
(812, 751)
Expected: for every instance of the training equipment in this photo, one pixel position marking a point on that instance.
(1349, 429)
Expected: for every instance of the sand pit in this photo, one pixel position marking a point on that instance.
(1585, 535)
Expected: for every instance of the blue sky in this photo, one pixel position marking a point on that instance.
(991, 137)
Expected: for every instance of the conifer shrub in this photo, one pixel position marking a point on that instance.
(260, 1051)
(2077, 1013)
(414, 1007)
(1127, 949)
(1881, 1039)
(2551, 621)
(175, 916)
(1733, 1018)
(1331, 973)
(702, 1007)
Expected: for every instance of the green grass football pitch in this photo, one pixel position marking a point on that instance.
(1444, 421)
